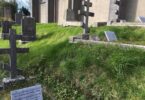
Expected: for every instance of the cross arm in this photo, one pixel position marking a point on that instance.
(18, 50)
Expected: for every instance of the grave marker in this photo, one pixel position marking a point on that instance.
(18, 18)
(29, 29)
(6, 25)
(110, 36)
(30, 93)
(141, 19)
(86, 4)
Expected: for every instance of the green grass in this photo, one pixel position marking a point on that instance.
(131, 35)
(84, 71)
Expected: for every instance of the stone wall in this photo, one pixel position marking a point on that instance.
(132, 9)
(35, 9)
(44, 11)
(140, 9)
(57, 12)
(62, 9)
(101, 11)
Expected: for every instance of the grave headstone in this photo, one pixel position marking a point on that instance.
(141, 19)
(29, 28)
(6, 25)
(110, 36)
(30, 93)
(70, 15)
(18, 18)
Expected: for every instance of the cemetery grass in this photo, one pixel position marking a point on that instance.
(83, 71)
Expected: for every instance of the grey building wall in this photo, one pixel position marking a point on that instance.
(44, 11)
(35, 9)
(56, 11)
(131, 9)
(101, 11)
(49, 11)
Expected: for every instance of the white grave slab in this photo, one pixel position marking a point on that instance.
(141, 19)
(110, 36)
(30, 93)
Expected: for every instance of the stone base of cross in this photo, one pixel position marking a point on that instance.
(77, 39)
(6, 82)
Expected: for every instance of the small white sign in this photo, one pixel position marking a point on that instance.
(110, 36)
(141, 19)
(30, 93)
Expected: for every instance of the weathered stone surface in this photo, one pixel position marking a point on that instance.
(18, 18)
(29, 28)
(6, 25)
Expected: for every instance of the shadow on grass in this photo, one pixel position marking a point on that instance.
(48, 35)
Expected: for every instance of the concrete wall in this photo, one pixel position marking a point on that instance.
(132, 9)
(62, 9)
(35, 9)
(101, 10)
(7, 13)
(44, 11)
(140, 8)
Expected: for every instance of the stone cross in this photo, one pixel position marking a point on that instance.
(12, 51)
(86, 4)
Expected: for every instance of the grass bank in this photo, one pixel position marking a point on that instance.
(84, 72)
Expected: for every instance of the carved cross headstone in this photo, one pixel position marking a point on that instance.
(29, 29)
